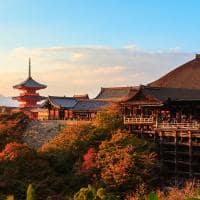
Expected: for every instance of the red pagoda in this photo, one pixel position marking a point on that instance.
(29, 97)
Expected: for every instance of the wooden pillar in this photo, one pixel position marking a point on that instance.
(190, 153)
(160, 134)
(67, 114)
(54, 114)
(49, 113)
(175, 155)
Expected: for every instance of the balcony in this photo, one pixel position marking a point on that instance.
(138, 121)
(187, 126)
(162, 125)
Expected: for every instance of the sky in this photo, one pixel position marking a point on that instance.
(78, 46)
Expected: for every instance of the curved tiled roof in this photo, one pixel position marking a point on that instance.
(185, 76)
(63, 102)
(28, 97)
(115, 93)
(30, 83)
(161, 95)
(75, 104)
(90, 105)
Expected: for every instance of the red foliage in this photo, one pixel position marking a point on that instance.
(89, 160)
(14, 150)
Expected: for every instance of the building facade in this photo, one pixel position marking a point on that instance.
(71, 108)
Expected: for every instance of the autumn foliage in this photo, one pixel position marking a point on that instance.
(119, 164)
(14, 150)
(11, 127)
(102, 154)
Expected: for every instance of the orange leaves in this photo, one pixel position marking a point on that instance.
(118, 162)
(89, 161)
(115, 159)
(116, 165)
(13, 151)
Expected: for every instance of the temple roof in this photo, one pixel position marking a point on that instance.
(90, 105)
(29, 83)
(161, 95)
(28, 97)
(62, 102)
(115, 93)
(185, 76)
(75, 104)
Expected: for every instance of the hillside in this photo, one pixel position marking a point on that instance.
(40, 132)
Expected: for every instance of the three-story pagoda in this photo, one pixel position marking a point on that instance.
(29, 97)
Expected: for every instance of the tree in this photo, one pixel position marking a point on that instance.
(90, 193)
(14, 150)
(111, 118)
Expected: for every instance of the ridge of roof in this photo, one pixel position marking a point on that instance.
(164, 93)
(61, 97)
(114, 93)
(186, 75)
(53, 99)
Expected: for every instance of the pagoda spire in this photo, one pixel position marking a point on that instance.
(29, 66)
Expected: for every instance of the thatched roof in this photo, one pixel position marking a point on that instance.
(185, 76)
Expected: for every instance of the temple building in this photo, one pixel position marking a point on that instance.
(29, 97)
(73, 108)
(167, 112)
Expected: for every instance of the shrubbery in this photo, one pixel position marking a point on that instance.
(11, 127)
(102, 154)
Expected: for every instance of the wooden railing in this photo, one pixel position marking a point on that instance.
(178, 125)
(163, 125)
(140, 120)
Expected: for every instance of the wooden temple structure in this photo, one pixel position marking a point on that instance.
(167, 112)
(73, 108)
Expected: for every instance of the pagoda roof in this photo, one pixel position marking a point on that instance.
(27, 97)
(30, 83)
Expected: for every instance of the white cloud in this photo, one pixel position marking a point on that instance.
(69, 70)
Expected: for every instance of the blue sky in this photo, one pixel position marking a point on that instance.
(152, 24)
(77, 46)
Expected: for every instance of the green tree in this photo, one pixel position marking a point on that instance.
(90, 193)
(30, 195)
